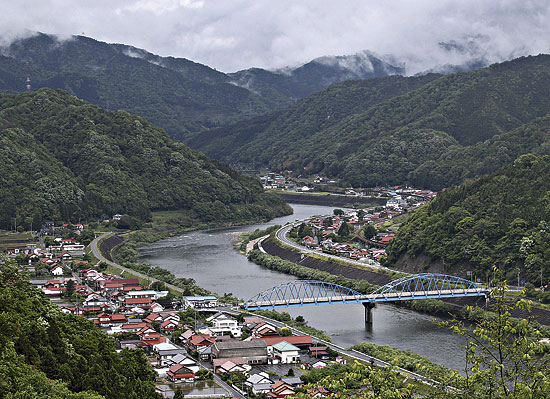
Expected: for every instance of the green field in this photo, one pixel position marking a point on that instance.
(10, 239)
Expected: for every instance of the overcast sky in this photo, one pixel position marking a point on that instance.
(235, 34)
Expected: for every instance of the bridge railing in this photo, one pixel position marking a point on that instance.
(420, 284)
(312, 292)
(301, 292)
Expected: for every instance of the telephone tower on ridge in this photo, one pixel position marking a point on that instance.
(28, 83)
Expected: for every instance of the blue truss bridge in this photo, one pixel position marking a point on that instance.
(415, 286)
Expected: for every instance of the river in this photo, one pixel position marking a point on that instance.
(208, 257)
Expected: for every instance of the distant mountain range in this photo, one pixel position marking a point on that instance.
(177, 94)
(316, 75)
(430, 130)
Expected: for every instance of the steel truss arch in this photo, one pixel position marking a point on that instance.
(423, 285)
(302, 293)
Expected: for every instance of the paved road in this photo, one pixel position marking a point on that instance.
(351, 353)
(281, 236)
(98, 255)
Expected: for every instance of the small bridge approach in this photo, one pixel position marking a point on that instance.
(415, 286)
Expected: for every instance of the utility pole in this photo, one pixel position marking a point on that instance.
(541, 277)
(518, 276)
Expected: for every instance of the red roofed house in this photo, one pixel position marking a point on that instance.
(178, 372)
(169, 326)
(303, 342)
(143, 303)
(57, 270)
(152, 338)
(264, 329)
(199, 340)
(280, 390)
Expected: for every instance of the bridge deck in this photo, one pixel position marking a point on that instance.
(373, 298)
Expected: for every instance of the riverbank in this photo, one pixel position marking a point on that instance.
(321, 199)
(287, 260)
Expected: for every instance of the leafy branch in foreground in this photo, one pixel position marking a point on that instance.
(505, 358)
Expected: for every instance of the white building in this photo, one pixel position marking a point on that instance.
(198, 302)
(224, 324)
(284, 352)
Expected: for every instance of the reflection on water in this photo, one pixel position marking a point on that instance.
(202, 388)
(210, 259)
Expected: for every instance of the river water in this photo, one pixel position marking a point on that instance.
(208, 257)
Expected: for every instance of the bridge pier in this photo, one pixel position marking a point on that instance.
(368, 312)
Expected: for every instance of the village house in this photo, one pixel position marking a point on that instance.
(263, 329)
(154, 295)
(197, 302)
(182, 358)
(57, 270)
(180, 373)
(164, 353)
(280, 390)
(302, 342)
(314, 364)
(283, 352)
(319, 352)
(110, 320)
(229, 366)
(224, 324)
(200, 340)
(143, 303)
(259, 383)
(253, 352)
(169, 326)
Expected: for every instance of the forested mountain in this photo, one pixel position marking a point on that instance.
(502, 220)
(397, 129)
(177, 94)
(313, 114)
(45, 353)
(64, 159)
(315, 75)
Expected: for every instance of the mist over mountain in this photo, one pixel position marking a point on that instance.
(317, 74)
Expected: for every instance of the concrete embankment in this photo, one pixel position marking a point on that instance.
(342, 201)
(271, 247)
(107, 245)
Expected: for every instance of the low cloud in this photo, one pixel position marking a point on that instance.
(238, 34)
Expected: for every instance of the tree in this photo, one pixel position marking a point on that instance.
(158, 285)
(504, 357)
(300, 319)
(338, 212)
(369, 231)
(69, 291)
(179, 393)
(285, 332)
(327, 221)
(344, 230)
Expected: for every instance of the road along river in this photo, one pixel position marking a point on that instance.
(208, 257)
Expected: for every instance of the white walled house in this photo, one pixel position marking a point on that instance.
(223, 324)
(284, 352)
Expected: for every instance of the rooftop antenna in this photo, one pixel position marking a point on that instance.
(28, 83)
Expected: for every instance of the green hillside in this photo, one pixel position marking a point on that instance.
(180, 95)
(64, 159)
(45, 353)
(320, 111)
(404, 126)
(502, 219)
(177, 94)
